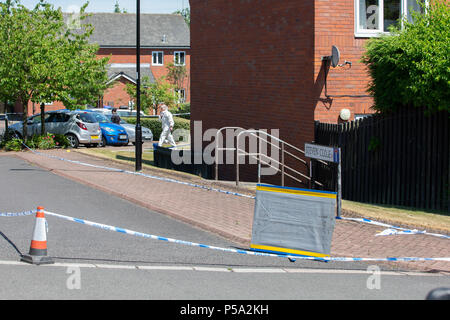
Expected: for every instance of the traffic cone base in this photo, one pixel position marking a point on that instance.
(38, 247)
(38, 260)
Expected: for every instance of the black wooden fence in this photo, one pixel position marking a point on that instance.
(400, 159)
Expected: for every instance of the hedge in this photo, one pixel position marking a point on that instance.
(155, 125)
(411, 67)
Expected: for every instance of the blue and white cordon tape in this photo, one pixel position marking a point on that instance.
(393, 230)
(17, 214)
(142, 174)
(253, 253)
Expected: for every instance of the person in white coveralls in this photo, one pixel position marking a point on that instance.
(166, 119)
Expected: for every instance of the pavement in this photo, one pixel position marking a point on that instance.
(228, 215)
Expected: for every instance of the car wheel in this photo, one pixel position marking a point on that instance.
(73, 140)
(103, 143)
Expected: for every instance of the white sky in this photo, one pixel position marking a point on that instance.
(147, 6)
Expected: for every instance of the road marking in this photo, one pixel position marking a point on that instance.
(222, 269)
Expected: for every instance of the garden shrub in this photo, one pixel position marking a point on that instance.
(13, 144)
(411, 66)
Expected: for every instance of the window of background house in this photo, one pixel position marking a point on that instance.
(158, 57)
(180, 95)
(375, 16)
(180, 58)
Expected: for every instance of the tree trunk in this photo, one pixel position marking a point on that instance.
(24, 102)
(42, 119)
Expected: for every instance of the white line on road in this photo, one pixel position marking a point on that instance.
(219, 269)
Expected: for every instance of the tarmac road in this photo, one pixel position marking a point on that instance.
(118, 266)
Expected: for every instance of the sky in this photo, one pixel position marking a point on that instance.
(147, 6)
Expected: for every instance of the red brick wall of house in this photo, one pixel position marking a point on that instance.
(335, 25)
(252, 67)
(257, 64)
(117, 95)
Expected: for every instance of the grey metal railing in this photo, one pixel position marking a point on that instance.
(263, 158)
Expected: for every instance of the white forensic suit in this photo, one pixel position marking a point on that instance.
(167, 123)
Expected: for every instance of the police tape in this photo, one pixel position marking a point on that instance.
(245, 252)
(363, 220)
(142, 174)
(17, 214)
(393, 230)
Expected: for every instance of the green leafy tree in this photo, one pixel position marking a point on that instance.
(411, 66)
(186, 13)
(42, 59)
(152, 93)
(177, 75)
(117, 8)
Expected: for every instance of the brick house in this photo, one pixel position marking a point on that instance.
(260, 63)
(164, 37)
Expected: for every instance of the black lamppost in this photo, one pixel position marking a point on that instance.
(138, 152)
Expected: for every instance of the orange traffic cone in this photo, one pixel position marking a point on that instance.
(38, 248)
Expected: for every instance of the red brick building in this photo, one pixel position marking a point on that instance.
(260, 63)
(164, 37)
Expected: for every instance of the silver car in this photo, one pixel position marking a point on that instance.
(78, 126)
(147, 134)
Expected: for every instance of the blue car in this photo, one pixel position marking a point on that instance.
(112, 134)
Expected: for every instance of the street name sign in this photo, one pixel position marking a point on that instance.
(324, 153)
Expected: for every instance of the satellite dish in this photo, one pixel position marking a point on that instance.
(335, 56)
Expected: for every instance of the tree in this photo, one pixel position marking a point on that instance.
(186, 13)
(153, 93)
(117, 8)
(411, 67)
(177, 75)
(42, 60)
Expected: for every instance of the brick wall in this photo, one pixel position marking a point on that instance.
(252, 66)
(334, 25)
(117, 95)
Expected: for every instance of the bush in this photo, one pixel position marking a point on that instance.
(44, 142)
(411, 67)
(155, 125)
(13, 144)
(61, 141)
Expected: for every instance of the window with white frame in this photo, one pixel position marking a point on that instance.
(180, 95)
(375, 16)
(158, 58)
(179, 58)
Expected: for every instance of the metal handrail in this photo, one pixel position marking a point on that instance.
(217, 149)
(283, 166)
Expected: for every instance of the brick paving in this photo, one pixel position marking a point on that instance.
(231, 216)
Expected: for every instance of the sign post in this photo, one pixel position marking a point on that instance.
(328, 154)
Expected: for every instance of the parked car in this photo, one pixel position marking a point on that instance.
(147, 134)
(120, 112)
(128, 113)
(112, 134)
(78, 127)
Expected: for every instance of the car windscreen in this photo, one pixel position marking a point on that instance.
(100, 118)
(87, 117)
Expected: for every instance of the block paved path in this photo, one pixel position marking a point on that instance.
(228, 215)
